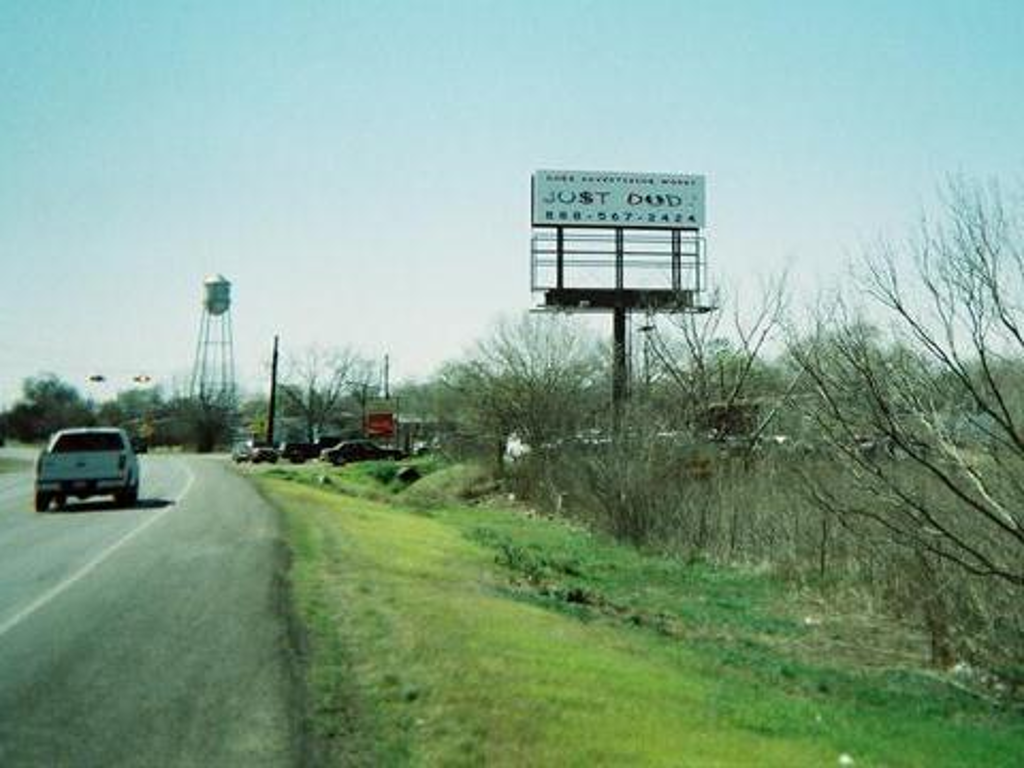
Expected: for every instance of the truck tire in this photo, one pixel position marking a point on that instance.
(128, 497)
(42, 501)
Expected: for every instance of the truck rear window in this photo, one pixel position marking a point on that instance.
(88, 441)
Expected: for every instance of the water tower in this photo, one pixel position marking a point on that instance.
(213, 373)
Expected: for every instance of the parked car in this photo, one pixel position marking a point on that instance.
(140, 444)
(350, 451)
(261, 453)
(85, 462)
(324, 443)
(297, 453)
(241, 452)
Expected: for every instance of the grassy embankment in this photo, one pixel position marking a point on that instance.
(444, 633)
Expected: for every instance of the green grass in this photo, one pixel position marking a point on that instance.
(466, 635)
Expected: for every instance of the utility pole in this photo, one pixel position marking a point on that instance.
(387, 385)
(273, 396)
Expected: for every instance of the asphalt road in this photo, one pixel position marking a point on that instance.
(152, 636)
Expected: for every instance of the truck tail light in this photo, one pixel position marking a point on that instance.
(122, 460)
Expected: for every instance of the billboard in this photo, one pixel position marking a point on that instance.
(610, 199)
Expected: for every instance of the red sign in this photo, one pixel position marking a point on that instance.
(381, 424)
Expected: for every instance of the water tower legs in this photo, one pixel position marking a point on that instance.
(213, 372)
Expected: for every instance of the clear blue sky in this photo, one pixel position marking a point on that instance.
(360, 170)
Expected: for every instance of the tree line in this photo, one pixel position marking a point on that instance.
(323, 392)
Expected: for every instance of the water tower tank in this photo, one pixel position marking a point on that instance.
(216, 294)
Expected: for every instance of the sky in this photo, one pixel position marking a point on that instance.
(360, 171)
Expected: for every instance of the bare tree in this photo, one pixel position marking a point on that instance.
(715, 368)
(317, 383)
(531, 377)
(928, 419)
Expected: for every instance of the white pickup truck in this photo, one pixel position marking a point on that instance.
(92, 461)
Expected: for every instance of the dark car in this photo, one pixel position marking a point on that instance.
(358, 450)
(140, 444)
(297, 453)
(262, 453)
(323, 443)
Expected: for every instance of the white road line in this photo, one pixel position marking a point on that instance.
(90, 566)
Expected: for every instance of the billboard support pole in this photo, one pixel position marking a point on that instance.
(677, 260)
(619, 373)
(620, 269)
(560, 258)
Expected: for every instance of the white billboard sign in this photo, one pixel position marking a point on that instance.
(608, 199)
